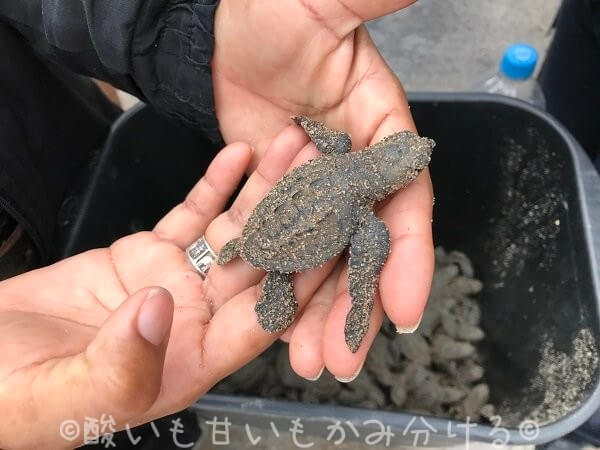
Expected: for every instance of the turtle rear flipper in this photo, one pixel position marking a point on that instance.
(369, 249)
(229, 251)
(277, 306)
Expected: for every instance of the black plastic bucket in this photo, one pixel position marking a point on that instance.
(513, 190)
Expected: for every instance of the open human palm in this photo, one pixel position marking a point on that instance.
(90, 335)
(315, 58)
(133, 332)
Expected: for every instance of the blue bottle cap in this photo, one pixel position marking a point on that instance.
(519, 61)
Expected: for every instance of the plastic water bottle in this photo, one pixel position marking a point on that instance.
(514, 77)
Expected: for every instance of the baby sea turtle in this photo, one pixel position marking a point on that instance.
(313, 213)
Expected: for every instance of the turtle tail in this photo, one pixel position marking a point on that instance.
(229, 251)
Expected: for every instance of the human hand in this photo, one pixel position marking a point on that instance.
(316, 58)
(89, 335)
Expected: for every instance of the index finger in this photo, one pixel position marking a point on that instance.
(188, 220)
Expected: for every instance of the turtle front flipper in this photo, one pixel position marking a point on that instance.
(369, 249)
(229, 251)
(326, 140)
(277, 306)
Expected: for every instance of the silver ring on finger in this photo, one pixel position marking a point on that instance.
(201, 256)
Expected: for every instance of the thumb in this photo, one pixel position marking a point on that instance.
(116, 378)
(125, 360)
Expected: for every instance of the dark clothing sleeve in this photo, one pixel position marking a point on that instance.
(53, 122)
(157, 50)
(571, 72)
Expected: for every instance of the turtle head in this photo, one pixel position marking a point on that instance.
(399, 158)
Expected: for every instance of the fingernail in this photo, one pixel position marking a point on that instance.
(318, 375)
(155, 315)
(408, 330)
(349, 379)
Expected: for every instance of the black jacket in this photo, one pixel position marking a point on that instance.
(52, 120)
(158, 50)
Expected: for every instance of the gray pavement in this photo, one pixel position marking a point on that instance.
(449, 45)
